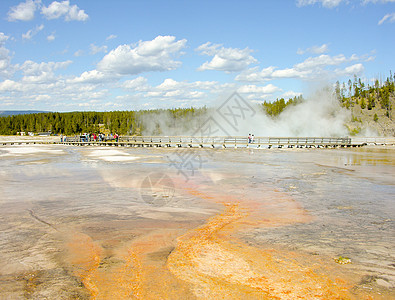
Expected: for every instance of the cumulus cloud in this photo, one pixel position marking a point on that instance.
(312, 68)
(32, 32)
(57, 10)
(138, 84)
(172, 89)
(41, 72)
(93, 77)
(324, 3)
(390, 18)
(225, 59)
(314, 50)
(155, 55)
(251, 88)
(5, 58)
(97, 49)
(356, 69)
(182, 92)
(24, 11)
(323, 60)
(270, 73)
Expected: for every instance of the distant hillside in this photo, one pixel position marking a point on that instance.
(5, 113)
(371, 106)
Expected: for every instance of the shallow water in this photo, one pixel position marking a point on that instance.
(150, 223)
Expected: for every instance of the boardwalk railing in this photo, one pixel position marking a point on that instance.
(213, 142)
(216, 141)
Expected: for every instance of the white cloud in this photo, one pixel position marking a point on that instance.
(172, 85)
(356, 69)
(93, 77)
(387, 18)
(262, 90)
(138, 84)
(155, 55)
(32, 32)
(51, 37)
(97, 49)
(57, 10)
(24, 11)
(225, 59)
(270, 73)
(290, 73)
(324, 3)
(335, 3)
(10, 85)
(111, 37)
(5, 63)
(312, 68)
(40, 83)
(364, 2)
(5, 59)
(41, 72)
(290, 94)
(323, 60)
(173, 91)
(314, 50)
(79, 53)
(254, 75)
(3, 38)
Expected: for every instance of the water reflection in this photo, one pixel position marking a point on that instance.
(264, 224)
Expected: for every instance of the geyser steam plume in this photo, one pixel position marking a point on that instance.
(319, 115)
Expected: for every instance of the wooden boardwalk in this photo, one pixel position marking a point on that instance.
(217, 142)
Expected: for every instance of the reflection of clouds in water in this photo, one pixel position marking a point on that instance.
(120, 178)
(120, 155)
(214, 176)
(111, 155)
(41, 171)
(26, 150)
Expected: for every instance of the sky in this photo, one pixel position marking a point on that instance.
(82, 55)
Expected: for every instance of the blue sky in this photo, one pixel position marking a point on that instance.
(130, 55)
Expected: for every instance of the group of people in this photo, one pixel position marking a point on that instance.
(93, 137)
(101, 137)
(251, 138)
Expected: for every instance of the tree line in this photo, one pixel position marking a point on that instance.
(276, 107)
(70, 123)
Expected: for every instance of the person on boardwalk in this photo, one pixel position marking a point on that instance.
(249, 138)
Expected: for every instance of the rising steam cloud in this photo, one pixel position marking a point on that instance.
(319, 115)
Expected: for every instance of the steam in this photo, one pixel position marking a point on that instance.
(319, 115)
(163, 123)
